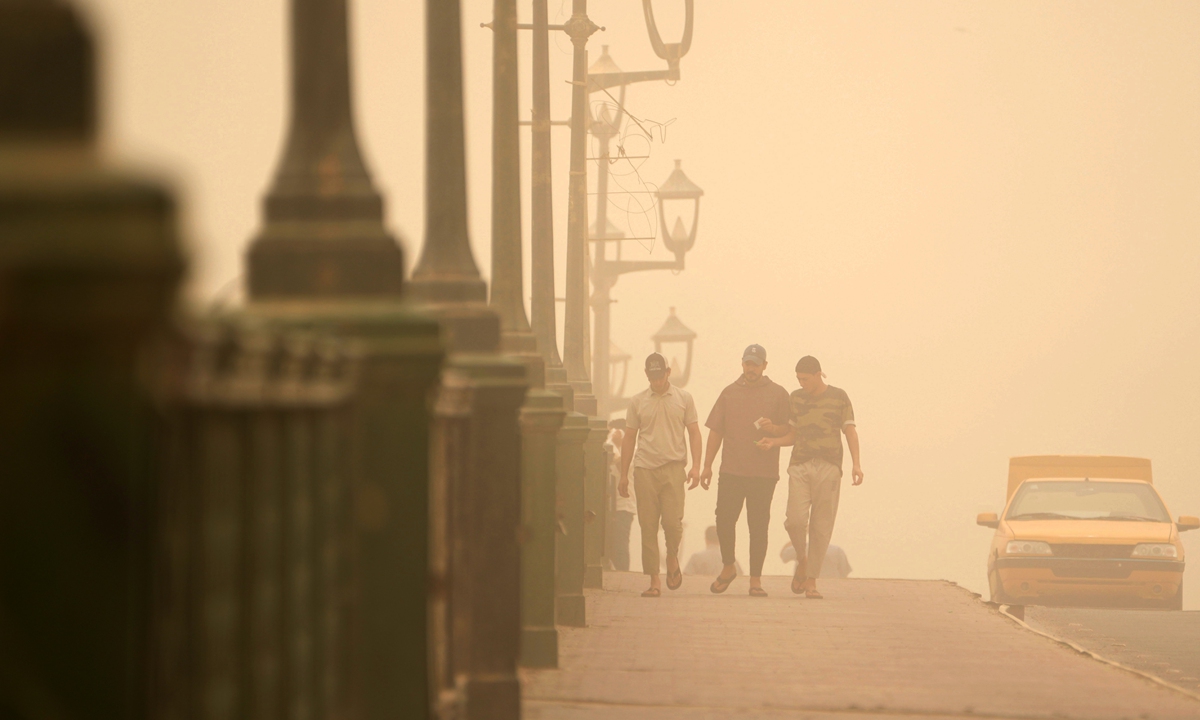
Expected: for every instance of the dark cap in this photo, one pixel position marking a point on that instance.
(754, 354)
(655, 364)
(808, 365)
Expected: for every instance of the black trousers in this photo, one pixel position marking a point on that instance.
(755, 493)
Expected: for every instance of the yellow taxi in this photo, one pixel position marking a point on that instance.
(1085, 531)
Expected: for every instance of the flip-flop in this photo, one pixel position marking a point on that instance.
(652, 592)
(813, 595)
(675, 580)
(719, 587)
(757, 592)
(799, 578)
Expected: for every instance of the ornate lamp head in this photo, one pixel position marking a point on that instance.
(674, 333)
(671, 52)
(677, 198)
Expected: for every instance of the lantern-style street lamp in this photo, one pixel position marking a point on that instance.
(678, 198)
(592, 392)
(678, 202)
(619, 364)
(672, 334)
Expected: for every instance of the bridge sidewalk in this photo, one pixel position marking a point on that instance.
(871, 649)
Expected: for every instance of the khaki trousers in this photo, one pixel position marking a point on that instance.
(660, 493)
(814, 487)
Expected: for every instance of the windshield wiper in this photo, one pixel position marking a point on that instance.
(1042, 516)
(1132, 518)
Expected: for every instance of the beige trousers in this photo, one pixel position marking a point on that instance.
(660, 493)
(814, 487)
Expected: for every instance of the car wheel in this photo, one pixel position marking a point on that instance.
(997, 589)
(1176, 603)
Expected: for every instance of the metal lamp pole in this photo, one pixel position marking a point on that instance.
(603, 75)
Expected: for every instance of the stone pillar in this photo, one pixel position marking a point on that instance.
(477, 447)
(571, 610)
(595, 481)
(541, 419)
(89, 264)
(324, 261)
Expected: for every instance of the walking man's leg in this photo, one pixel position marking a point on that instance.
(671, 491)
(731, 494)
(826, 491)
(796, 522)
(759, 493)
(649, 514)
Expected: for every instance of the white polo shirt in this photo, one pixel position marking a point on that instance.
(661, 422)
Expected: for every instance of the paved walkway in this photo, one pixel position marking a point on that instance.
(871, 649)
(1163, 643)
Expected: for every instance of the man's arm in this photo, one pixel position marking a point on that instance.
(710, 454)
(783, 441)
(695, 441)
(627, 446)
(773, 430)
(852, 441)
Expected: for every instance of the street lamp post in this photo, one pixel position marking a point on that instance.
(678, 198)
(602, 75)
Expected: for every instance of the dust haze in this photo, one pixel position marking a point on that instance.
(982, 217)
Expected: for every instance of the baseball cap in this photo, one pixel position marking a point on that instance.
(808, 365)
(754, 354)
(655, 364)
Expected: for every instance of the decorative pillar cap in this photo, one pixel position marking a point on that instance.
(47, 79)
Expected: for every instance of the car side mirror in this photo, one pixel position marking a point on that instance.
(1187, 522)
(990, 520)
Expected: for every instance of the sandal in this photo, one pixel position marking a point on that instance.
(757, 592)
(813, 595)
(652, 592)
(719, 586)
(799, 579)
(674, 580)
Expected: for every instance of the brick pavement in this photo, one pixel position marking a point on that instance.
(871, 649)
(1163, 643)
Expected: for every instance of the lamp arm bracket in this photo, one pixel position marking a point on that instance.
(622, 267)
(603, 81)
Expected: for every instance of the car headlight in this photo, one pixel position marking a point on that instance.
(1027, 547)
(1164, 550)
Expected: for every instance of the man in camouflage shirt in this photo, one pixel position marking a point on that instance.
(820, 415)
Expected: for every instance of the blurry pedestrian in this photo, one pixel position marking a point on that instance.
(820, 415)
(709, 560)
(836, 564)
(748, 475)
(624, 509)
(656, 424)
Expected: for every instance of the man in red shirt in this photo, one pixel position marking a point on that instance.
(748, 474)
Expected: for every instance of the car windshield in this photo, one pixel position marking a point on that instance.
(1084, 500)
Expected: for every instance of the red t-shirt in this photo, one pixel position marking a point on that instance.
(733, 416)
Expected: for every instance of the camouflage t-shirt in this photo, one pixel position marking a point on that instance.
(819, 422)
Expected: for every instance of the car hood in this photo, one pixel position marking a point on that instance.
(1090, 531)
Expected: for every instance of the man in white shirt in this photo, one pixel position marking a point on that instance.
(656, 424)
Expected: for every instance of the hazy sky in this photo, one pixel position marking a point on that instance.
(981, 216)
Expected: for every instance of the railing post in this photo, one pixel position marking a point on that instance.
(541, 419)
(324, 262)
(595, 479)
(89, 264)
(570, 563)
